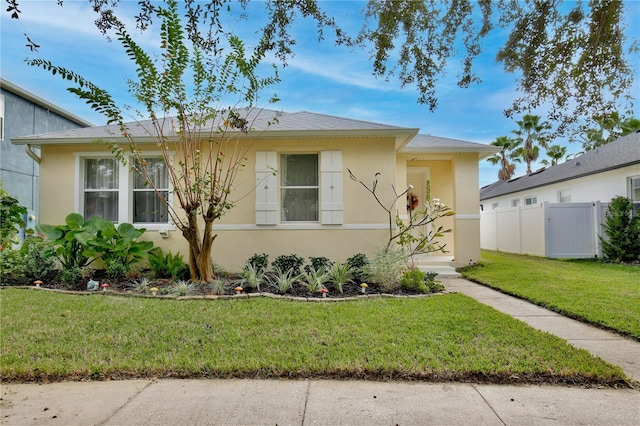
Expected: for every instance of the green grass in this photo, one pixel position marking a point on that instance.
(51, 336)
(603, 294)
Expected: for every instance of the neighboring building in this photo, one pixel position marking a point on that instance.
(310, 207)
(558, 212)
(22, 114)
(599, 175)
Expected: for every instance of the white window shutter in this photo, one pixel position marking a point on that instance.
(331, 191)
(266, 188)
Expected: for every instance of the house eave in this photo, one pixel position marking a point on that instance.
(482, 152)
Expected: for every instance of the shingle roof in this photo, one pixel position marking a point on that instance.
(622, 152)
(436, 144)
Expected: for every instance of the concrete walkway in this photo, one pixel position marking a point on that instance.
(329, 402)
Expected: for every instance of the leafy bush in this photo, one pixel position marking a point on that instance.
(358, 263)
(167, 265)
(252, 276)
(340, 274)
(12, 267)
(622, 229)
(414, 280)
(182, 288)
(259, 262)
(314, 279)
(70, 240)
(11, 213)
(317, 263)
(39, 263)
(71, 276)
(283, 280)
(386, 269)
(285, 263)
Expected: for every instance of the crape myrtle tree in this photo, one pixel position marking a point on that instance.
(183, 89)
(571, 58)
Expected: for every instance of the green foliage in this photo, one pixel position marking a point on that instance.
(12, 267)
(10, 218)
(70, 240)
(314, 279)
(283, 280)
(317, 263)
(414, 280)
(358, 264)
(218, 287)
(39, 262)
(386, 269)
(622, 229)
(259, 261)
(72, 276)
(252, 276)
(182, 288)
(291, 262)
(167, 265)
(507, 145)
(340, 274)
(532, 135)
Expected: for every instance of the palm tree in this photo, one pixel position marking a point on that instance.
(532, 134)
(556, 153)
(507, 169)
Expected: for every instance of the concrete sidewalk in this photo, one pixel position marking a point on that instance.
(329, 402)
(611, 347)
(312, 402)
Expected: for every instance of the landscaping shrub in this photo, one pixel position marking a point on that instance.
(167, 265)
(252, 276)
(259, 261)
(11, 213)
(622, 229)
(386, 269)
(12, 267)
(285, 263)
(358, 264)
(340, 274)
(318, 263)
(414, 280)
(39, 263)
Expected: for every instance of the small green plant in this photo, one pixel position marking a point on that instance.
(71, 276)
(116, 271)
(340, 274)
(259, 261)
(252, 276)
(39, 263)
(414, 280)
(314, 279)
(141, 286)
(168, 265)
(12, 267)
(218, 287)
(182, 288)
(288, 262)
(622, 228)
(317, 263)
(358, 264)
(11, 213)
(283, 280)
(70, 240)
(386, 268)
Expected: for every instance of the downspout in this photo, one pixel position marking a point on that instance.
(30, 153)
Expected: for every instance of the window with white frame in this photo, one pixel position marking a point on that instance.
(494, 206)
(564, 196)
(634, 192)
(299, 188)
(515, 202)
(118, 193)
(1, 117)
(531, 200)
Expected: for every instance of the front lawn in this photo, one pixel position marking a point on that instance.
(599, 293)
(52, 336)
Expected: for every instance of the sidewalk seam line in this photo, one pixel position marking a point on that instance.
(151, 382)
(306, 400)
(488, 404)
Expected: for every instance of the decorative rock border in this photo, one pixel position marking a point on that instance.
(235, 296)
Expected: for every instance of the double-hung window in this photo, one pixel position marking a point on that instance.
(118, 193)
(302, 189)
(531, 200)
(634, 192)
(299, 187)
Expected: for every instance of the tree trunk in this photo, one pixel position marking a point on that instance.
(200, 267)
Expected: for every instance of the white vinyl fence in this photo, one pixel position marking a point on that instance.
(558, 230)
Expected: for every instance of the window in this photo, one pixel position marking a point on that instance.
(634, 192)
(515, 202)
(528, 201)
(564, 196)
(299, 187)
(113, 191)
(1, 117)
(494, 206)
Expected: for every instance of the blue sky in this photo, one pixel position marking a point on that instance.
(320, 78)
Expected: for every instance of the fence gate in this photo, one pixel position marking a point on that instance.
(570, 230)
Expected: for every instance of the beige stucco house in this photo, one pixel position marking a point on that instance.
(324, 214)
